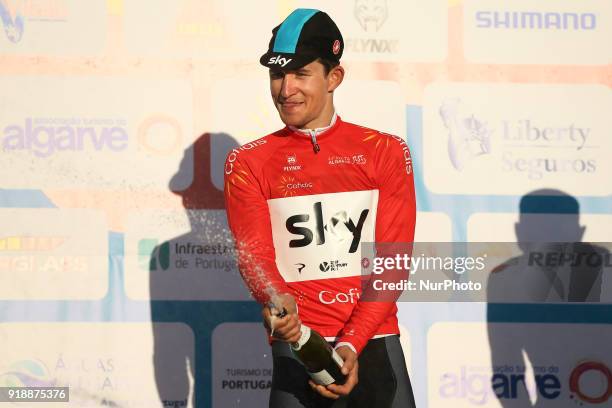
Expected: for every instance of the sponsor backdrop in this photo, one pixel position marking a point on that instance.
(117, 270)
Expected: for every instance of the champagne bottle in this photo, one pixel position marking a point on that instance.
(320, 359)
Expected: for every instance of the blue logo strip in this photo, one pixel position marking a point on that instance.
(289, 32)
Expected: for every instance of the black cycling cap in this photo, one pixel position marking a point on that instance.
(304, 36)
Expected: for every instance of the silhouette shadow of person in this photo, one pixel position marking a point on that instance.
(188, 270)
(554, 266)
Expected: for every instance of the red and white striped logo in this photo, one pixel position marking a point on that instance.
(336, 47)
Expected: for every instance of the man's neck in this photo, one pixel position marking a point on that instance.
(307, 129)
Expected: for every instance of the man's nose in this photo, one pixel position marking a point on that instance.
(288, 85)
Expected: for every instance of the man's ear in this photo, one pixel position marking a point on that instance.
(336, 75)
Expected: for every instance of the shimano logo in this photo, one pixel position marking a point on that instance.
(535, 20)
(282, 61)
(328, 297)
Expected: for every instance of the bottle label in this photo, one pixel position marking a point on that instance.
(322, 377)
(305, 330)
(337, 358)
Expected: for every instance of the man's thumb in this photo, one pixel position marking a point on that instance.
(347, 366)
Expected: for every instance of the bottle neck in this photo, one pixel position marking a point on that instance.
(305, 336)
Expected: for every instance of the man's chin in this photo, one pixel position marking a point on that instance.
(290, 120)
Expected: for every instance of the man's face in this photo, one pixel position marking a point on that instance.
(302, 96)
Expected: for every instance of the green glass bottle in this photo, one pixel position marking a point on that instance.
(320, 359)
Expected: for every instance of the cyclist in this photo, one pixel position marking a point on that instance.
(300, 202)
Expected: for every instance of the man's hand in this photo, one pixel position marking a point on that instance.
(286, 328)
(350, 368)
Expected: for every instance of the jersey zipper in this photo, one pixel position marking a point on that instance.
(313, 139)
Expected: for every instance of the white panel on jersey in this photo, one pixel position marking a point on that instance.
(319, 236)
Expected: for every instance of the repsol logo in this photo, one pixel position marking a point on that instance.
(318, 233)
(43, 140)
(328, 297)
(233, 155)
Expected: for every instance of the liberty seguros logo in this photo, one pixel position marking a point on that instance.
(528, 144)
(468, 137)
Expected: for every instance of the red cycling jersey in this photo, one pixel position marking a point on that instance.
(300, 206)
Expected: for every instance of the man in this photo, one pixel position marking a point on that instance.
(300, 202)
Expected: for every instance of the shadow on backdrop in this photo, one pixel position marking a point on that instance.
(190, 269)
(527, 358)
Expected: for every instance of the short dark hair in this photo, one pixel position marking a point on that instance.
(328, 65)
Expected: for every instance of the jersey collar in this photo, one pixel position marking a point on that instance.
(320, 133)
(317, 131)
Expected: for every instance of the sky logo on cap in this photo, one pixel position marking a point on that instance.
(279, 60)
